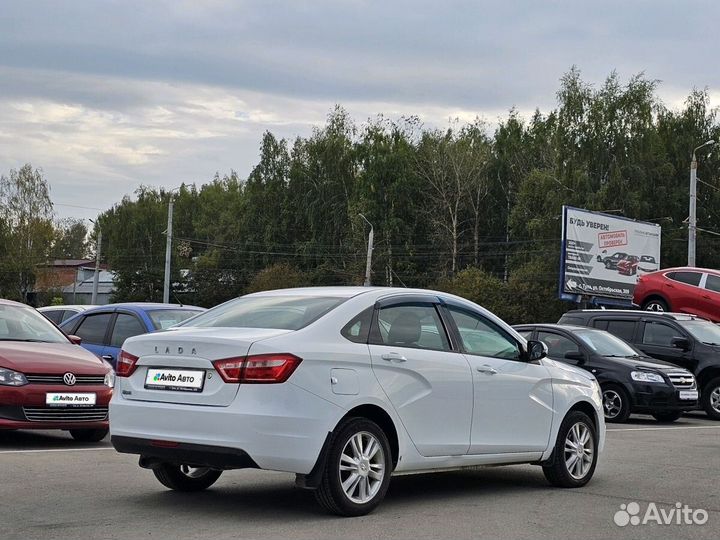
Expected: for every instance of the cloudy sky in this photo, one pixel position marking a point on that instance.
(107, 95)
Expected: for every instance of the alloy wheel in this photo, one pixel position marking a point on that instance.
(715, 399)
(579, 450)
(612, 403)
(362, 467)
(655, 306)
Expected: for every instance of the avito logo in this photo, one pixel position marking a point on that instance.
(680, 514)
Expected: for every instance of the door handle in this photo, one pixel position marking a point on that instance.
(393, 357)
(487, 369)
(706, 296)
(108, 357)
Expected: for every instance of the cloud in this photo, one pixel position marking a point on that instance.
(109, 95)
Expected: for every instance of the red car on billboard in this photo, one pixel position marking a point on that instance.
(682, 290)
(628, 266)
(47, 381)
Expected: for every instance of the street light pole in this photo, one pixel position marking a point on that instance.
(96, 276)
(368, 264)
(168, 252)
(692, 220)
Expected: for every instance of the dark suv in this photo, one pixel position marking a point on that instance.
(684, 340)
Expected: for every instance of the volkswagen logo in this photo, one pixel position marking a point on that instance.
(69, 379)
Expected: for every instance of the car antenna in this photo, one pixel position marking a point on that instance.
(177, 299)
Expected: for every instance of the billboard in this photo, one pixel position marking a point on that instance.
(603, 255)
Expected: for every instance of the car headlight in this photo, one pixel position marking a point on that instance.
(647, 376)
(110, 379)
(8, 377)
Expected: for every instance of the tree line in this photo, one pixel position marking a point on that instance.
(468, 208)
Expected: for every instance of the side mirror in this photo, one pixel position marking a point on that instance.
(75, 340)
(599, 258)
(680, 343)
(577, 356)
(536, 350)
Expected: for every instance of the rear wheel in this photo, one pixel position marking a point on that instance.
(575, 454)
(656, 304)
(88, 435)
(667, 416)
(186, 477)
(616, 403)
(357, 470)
(710, 398)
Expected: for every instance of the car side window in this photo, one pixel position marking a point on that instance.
(416, 326)
(659, 334)
(67, 314)
(712, 283)
(358, 329)
(625, 330)
(689, 278)
(55, 315)
(126, 326)
(93, 327)
(527, 334)
(483, 337)
(558, 345)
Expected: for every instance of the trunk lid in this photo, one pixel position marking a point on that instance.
(188, 352)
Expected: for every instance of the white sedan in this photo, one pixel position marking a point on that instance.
(346, 386)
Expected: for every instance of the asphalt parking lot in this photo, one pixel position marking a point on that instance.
(53, 487)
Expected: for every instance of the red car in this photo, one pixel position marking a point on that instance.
(683, 290)
(47, 381)
(628, 266)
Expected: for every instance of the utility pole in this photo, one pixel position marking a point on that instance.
(692, 220)
(96, 277)
(368, 264)
(168, 252)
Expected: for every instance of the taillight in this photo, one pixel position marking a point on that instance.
(126, 364)
(258, 369)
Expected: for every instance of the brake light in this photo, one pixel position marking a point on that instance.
(258, 369)
(126, 364)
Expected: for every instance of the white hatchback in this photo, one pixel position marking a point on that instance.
(346, 386)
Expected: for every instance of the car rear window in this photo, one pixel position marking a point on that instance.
(165, 318)
(281, 312)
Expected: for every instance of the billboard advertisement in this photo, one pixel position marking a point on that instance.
(603, 255)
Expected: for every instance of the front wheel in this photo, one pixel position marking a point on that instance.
(656, 305)
(667, 416)
(575, 454)
(186, 477)
(616, 404)
(710, 398)
(88, 435)
(357, 470)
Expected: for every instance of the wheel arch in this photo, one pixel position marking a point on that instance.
(587, 408)
(657, 296)
(706, 375)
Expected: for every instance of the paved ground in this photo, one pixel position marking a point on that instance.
(52, 487)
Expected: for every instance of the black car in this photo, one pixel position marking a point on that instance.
(630, 381)
(611, 262)
(685, 340)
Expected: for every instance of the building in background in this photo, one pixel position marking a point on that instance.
(72, 280)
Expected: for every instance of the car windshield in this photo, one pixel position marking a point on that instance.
(21, 323)
(282, 312)
(605, 344)
(704, 331)
(165, 318)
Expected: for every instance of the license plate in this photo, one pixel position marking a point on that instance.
(179, 380)
(70, 400)
(689, 394)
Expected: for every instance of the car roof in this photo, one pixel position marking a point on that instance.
(12, 303)
(347, 291)
(686, 269)
(144, 306)
(81, 307)
(634, 312)
(554, 326)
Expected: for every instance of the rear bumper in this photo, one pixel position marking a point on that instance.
(280, 427)
(152, 453)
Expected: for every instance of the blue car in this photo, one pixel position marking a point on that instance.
(104, 329)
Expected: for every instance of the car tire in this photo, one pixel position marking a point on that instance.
(656, 304)
(710, 398)
(616, 403)
(667, 416)
(563, 471)
(186, 477)
(88, 435)
(359, 453)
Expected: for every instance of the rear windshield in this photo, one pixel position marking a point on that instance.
(281, 312)
(165, 318)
